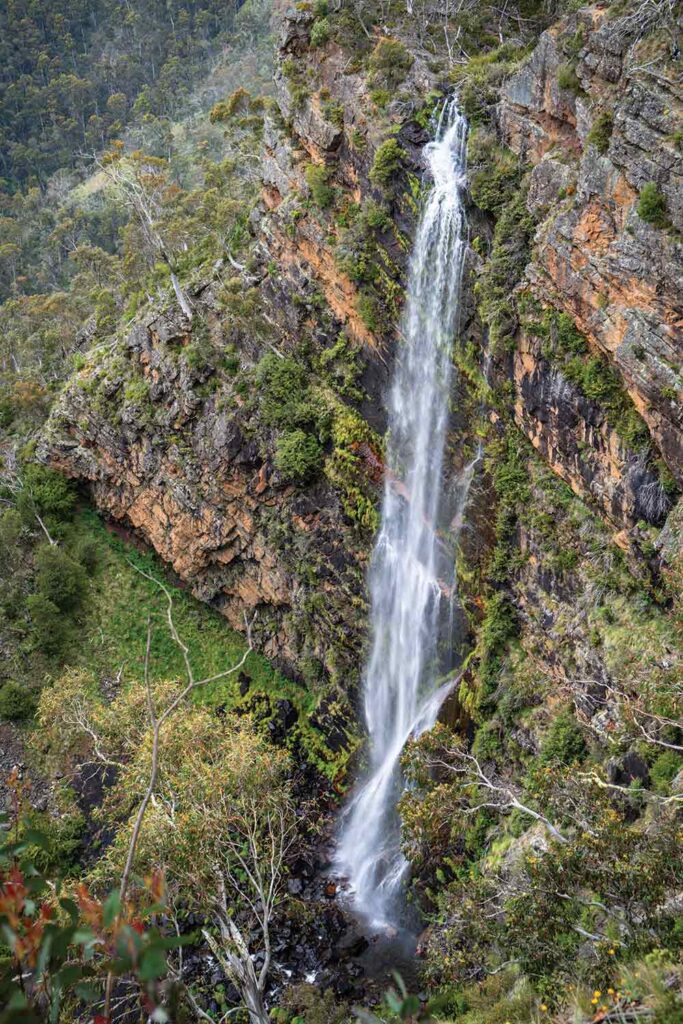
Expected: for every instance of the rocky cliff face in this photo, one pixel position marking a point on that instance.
(593, 147)
(177, 441)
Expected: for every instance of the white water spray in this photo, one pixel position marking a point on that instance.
(411, 575)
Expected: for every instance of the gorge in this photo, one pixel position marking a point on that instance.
(399, 492)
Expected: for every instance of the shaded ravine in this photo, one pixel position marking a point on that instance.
(411, 576)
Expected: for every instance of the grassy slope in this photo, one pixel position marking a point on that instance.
(119, 602)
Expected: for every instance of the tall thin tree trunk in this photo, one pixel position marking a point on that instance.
(181, 296)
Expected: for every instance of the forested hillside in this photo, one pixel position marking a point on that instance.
(212, 244)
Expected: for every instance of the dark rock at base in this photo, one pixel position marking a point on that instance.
(352, 945)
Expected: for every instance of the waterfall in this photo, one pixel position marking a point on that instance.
(411, 573)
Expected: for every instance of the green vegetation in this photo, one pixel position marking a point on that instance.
(389, 63)
(652, 206)
(298, 456)
(347, 470)
(387, 163)
(317, 179)
(495, 172)
(16, 703)
(361, 253)
(320, 33)
(601, 131)
(504, 268)
(568, 79)
(564, 743)
(58, 49)
(544, 829)
(477, 80)
(591, 373)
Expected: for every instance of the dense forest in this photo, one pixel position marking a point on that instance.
(341, 528)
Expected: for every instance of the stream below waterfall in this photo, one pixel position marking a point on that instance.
(412, 582)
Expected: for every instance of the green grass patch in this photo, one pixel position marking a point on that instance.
(120, 601)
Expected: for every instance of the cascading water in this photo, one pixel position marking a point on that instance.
(411, 575)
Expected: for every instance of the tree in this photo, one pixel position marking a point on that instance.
(143, 185)
(211, 807)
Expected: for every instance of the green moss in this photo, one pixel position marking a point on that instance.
(652, 206)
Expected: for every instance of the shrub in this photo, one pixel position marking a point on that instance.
(238, 101)
(479, 78)
(50, 630)
(285, 397)
(317, 179)
(298, 456)
(334, 113)
(60, 578)
(387, 162)
(389, 63)
(499, 626)
(509, 256)
(495, 172)
(47, 492)
(136, 392)
(16, 703)
(569, 338)
(320, 33)
(601, 132)
(369, 310)
(652, 206)
(568, 79)
(564, 742)
(10, 534)
(59, 856)
(665, 768)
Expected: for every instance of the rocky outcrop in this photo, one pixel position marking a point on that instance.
(594, 145)
(170, 450)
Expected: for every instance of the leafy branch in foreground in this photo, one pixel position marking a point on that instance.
(61, 943)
